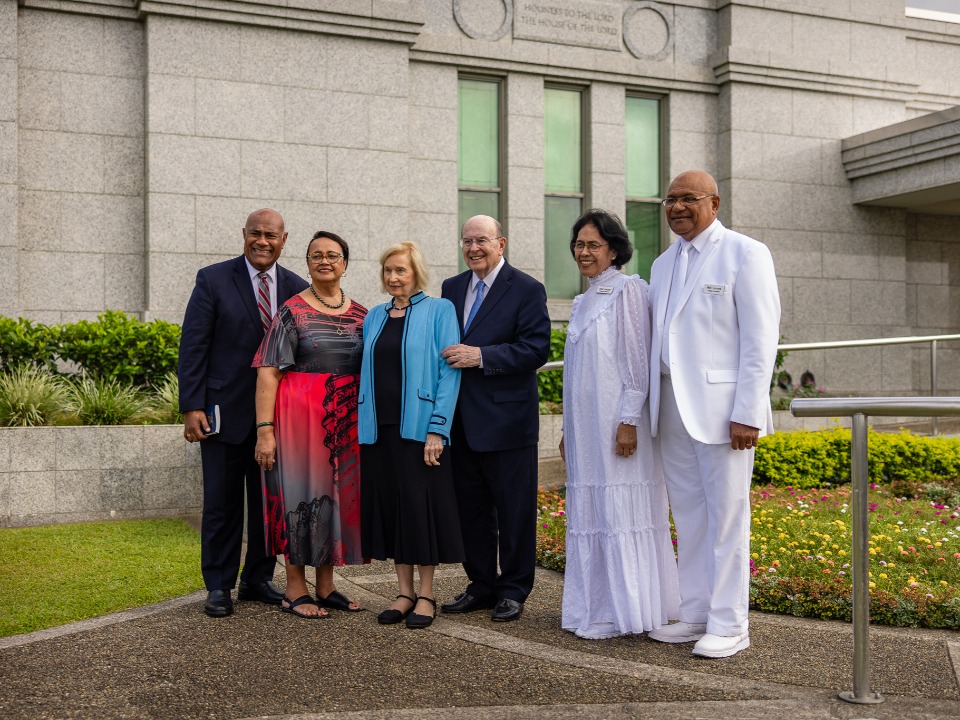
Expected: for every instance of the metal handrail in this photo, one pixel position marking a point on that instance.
(868, 342)
(827, 345)
(858, 409)
(872, 342)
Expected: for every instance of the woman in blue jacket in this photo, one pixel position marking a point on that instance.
(406, 401)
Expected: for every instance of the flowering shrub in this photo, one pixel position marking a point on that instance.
(800, 552)
(551, 530)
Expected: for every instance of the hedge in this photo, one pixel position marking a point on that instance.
(115, 346)
(550, 383)
(804, 459)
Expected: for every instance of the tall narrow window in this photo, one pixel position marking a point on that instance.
(563, 172)
(643, 182)
(478, 167)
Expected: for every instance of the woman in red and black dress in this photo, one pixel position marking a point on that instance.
(307, 379)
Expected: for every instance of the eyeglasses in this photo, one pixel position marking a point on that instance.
(591, 246)
(318, 257)
(479, 242)
(686, 200)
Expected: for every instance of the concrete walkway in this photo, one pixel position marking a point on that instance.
(171, 661)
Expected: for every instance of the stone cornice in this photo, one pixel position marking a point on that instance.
(903, 145)
(738, 65)
(124, 9)
(393, 21)
(649, 77)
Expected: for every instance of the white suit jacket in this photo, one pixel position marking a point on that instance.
(723, 337)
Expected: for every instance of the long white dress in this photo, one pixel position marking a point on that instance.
(621, 574)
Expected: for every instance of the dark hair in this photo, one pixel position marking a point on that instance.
(610, 228)
(344, 248)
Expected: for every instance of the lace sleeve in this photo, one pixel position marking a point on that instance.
(279, 346)
(633, 349)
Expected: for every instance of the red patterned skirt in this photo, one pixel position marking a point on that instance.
(311, 497)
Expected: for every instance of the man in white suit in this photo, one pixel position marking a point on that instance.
(716, 318)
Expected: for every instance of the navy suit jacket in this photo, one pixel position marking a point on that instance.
(499, 404)
(221, 334)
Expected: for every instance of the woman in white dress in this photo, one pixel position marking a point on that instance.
(621, 575)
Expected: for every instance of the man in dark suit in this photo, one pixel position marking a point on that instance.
(505, 330)
(226, 317)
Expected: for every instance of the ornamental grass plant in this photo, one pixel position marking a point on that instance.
(32, 395)
(801, 544)
(101, 401)
(165, 401)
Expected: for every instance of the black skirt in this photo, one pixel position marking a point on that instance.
(408, 509)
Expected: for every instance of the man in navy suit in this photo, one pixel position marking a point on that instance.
(505, 331)
(222, 329)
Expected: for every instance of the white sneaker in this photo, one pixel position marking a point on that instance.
(598, 631)
(720, 646)
(679, 632)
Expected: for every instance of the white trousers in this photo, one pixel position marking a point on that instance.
(709, 491)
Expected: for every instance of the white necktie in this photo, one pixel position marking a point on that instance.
(679, 279)
(673, 301)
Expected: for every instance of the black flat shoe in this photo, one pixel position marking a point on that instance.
(391, 616)
(264, 592)
(417, 622)
(218, 604)
(464, 603)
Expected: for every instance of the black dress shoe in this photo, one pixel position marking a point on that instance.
(264, 592)
(506, 610)
(464, 603)
(218, 604)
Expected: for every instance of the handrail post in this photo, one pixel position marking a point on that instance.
(861, 567)
(934, 429)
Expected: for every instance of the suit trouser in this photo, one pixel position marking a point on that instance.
(229, 473)
(709, 490)
(497, 501)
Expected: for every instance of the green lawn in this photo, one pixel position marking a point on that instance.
(800, 546)
(57, 574)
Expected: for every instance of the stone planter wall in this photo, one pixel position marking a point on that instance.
(77, 474)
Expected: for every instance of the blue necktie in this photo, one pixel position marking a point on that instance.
(476, 305)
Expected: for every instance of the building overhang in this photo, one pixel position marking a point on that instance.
(913, 164)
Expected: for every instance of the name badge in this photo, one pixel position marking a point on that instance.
(709, 289)
(604, 290)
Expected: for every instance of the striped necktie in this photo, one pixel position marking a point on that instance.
(263, 300)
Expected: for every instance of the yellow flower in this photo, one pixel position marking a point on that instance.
(883, 576)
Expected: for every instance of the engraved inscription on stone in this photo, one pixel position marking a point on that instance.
(569, 22)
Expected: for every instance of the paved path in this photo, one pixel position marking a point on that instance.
(171, 661)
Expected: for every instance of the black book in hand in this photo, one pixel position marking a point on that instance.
(213, 419)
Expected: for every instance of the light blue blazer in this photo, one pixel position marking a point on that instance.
(430, 386)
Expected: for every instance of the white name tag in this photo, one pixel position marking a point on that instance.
(709, 289)
(604, 290)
